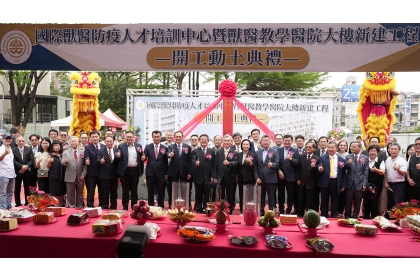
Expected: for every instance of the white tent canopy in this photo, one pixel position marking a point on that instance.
(104, 120)
(66, 122)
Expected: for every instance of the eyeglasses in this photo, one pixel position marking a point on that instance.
(64, 135)
(417, 144)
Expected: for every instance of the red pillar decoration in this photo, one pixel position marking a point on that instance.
(227, 116)
(228, 90)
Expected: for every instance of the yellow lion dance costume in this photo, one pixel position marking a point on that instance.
(85, 90)
(377, 103)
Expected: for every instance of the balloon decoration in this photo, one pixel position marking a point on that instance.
(85, 90)
(227, 89)
(377, 103)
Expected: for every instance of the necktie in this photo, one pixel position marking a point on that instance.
(309, 158)
(96, 145)
(331, 166)
(226, 153)
(21, 153)
(356, 159)
(237, 149)
(156, 151)
(179, 150)
(110, 155)
(204, 151)
(75, 156)
(323, 152)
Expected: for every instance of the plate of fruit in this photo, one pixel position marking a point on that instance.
(180, 216)
(349, 222)
(158, 213)
(268, 222)
(141, 210)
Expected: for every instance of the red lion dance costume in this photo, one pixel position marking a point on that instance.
(377, 103)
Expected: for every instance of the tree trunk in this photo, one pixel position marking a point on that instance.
(23, 87)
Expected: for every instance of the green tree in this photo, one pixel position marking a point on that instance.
(23, 86)
(60, 84)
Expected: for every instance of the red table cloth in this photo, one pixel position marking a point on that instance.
(61, 240)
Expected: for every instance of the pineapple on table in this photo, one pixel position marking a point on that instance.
(221, 214)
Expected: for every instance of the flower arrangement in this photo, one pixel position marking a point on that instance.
(138, 149)
(39, 199)
(362, 161)
(251, 158)
(270, 155)
(82, 156)
(163, 151)
(336, 134)
(403, 209)
(208, 156)
(230, 156)
(340, 164)
(290, 153)
(313, 160)
(185, 150)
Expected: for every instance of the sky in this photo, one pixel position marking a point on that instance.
(405, 81)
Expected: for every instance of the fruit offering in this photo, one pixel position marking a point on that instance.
(180, 216)
(141, 211)
(268, 220)
(157, 212)
(311, 219)
(221, 215)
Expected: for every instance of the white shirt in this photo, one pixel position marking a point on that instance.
(372, 162)
(7, 168)
(392, 176)
(256, 145)
(132, 156)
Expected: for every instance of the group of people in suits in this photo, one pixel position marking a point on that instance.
(305, 172)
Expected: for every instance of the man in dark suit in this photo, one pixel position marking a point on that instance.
(331, 179)
(306, 180)
(108, 159)
(180, 163)
(23, 161)
(300, 144)
(226, 161)
(202, 164)
(288, 162)
(322, 143)
(34, 139)
(266, 163)
(93, 166)
(130, 169)
(374, 141)
(357, 179)
(156, 169)
(237, 139)
(256, 145)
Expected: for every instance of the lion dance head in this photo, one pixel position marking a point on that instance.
(377, 103)
(85, 90)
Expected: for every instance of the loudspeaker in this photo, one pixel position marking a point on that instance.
(134, 242)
